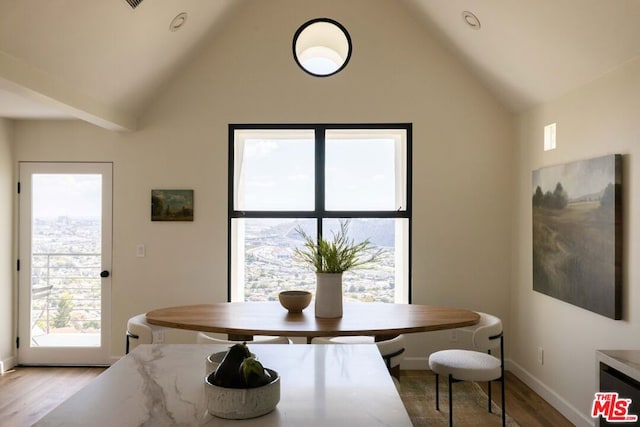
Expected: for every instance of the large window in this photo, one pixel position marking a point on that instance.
(284, 177)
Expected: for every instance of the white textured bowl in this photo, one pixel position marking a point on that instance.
(242, 403)
(213, 360)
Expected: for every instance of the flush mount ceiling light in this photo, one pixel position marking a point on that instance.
(178, 21)
(322, 47)
(471, 20)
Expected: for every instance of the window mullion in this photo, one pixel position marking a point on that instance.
(320, 177)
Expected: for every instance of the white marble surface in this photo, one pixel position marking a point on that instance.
(162, 385)
(625, 361)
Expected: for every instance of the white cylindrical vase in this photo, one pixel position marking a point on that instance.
(328, 295)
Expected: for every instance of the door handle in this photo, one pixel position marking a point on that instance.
(104, 274)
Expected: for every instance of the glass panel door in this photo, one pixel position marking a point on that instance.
(65, 257)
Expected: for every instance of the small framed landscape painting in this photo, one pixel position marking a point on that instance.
(577, 233)
(171, 205)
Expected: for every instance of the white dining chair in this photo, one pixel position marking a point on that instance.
(139, 331)
(202, 338)
(392, 350)
(473, 365)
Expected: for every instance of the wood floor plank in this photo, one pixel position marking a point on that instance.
(524, 406)
(29, 393)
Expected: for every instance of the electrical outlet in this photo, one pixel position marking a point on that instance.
(454, 336)
(158, 337)
(140, 251)
(540, 356)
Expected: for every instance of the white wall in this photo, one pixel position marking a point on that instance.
(471, 171)
(599, 119)
(462, 164)
(7, 326)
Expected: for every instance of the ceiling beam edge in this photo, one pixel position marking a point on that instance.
(30, 82)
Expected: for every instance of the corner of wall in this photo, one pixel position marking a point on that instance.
(7, 297)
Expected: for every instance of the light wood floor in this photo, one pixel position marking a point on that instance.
(525, 406)
(28, 393)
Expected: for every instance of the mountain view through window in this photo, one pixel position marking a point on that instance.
(276, 172)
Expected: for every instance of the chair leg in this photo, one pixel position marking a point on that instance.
(129, 335)
(489, 396)
(504, 410)
(437, 392)
(395, 371)
(450, 400)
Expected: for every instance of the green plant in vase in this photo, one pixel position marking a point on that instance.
(329, 259)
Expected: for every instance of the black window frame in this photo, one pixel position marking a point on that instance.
(320, 213)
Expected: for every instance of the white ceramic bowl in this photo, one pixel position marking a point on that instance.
(213, 360)
(242, 403)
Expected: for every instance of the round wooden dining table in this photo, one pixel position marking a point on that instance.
(243, 320)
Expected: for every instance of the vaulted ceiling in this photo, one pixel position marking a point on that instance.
(103, 61)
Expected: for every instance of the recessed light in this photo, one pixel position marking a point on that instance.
(471, 20)
(178, 21)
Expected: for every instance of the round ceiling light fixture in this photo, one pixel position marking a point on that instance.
(178, 21)
(471, 20)
(322, 47)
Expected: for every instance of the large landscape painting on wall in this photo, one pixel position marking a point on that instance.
(577, 233)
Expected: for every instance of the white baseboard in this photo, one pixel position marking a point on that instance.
(11, 362)
(554, 399)
(7, 364)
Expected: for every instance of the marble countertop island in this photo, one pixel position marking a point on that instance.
(163, 385)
